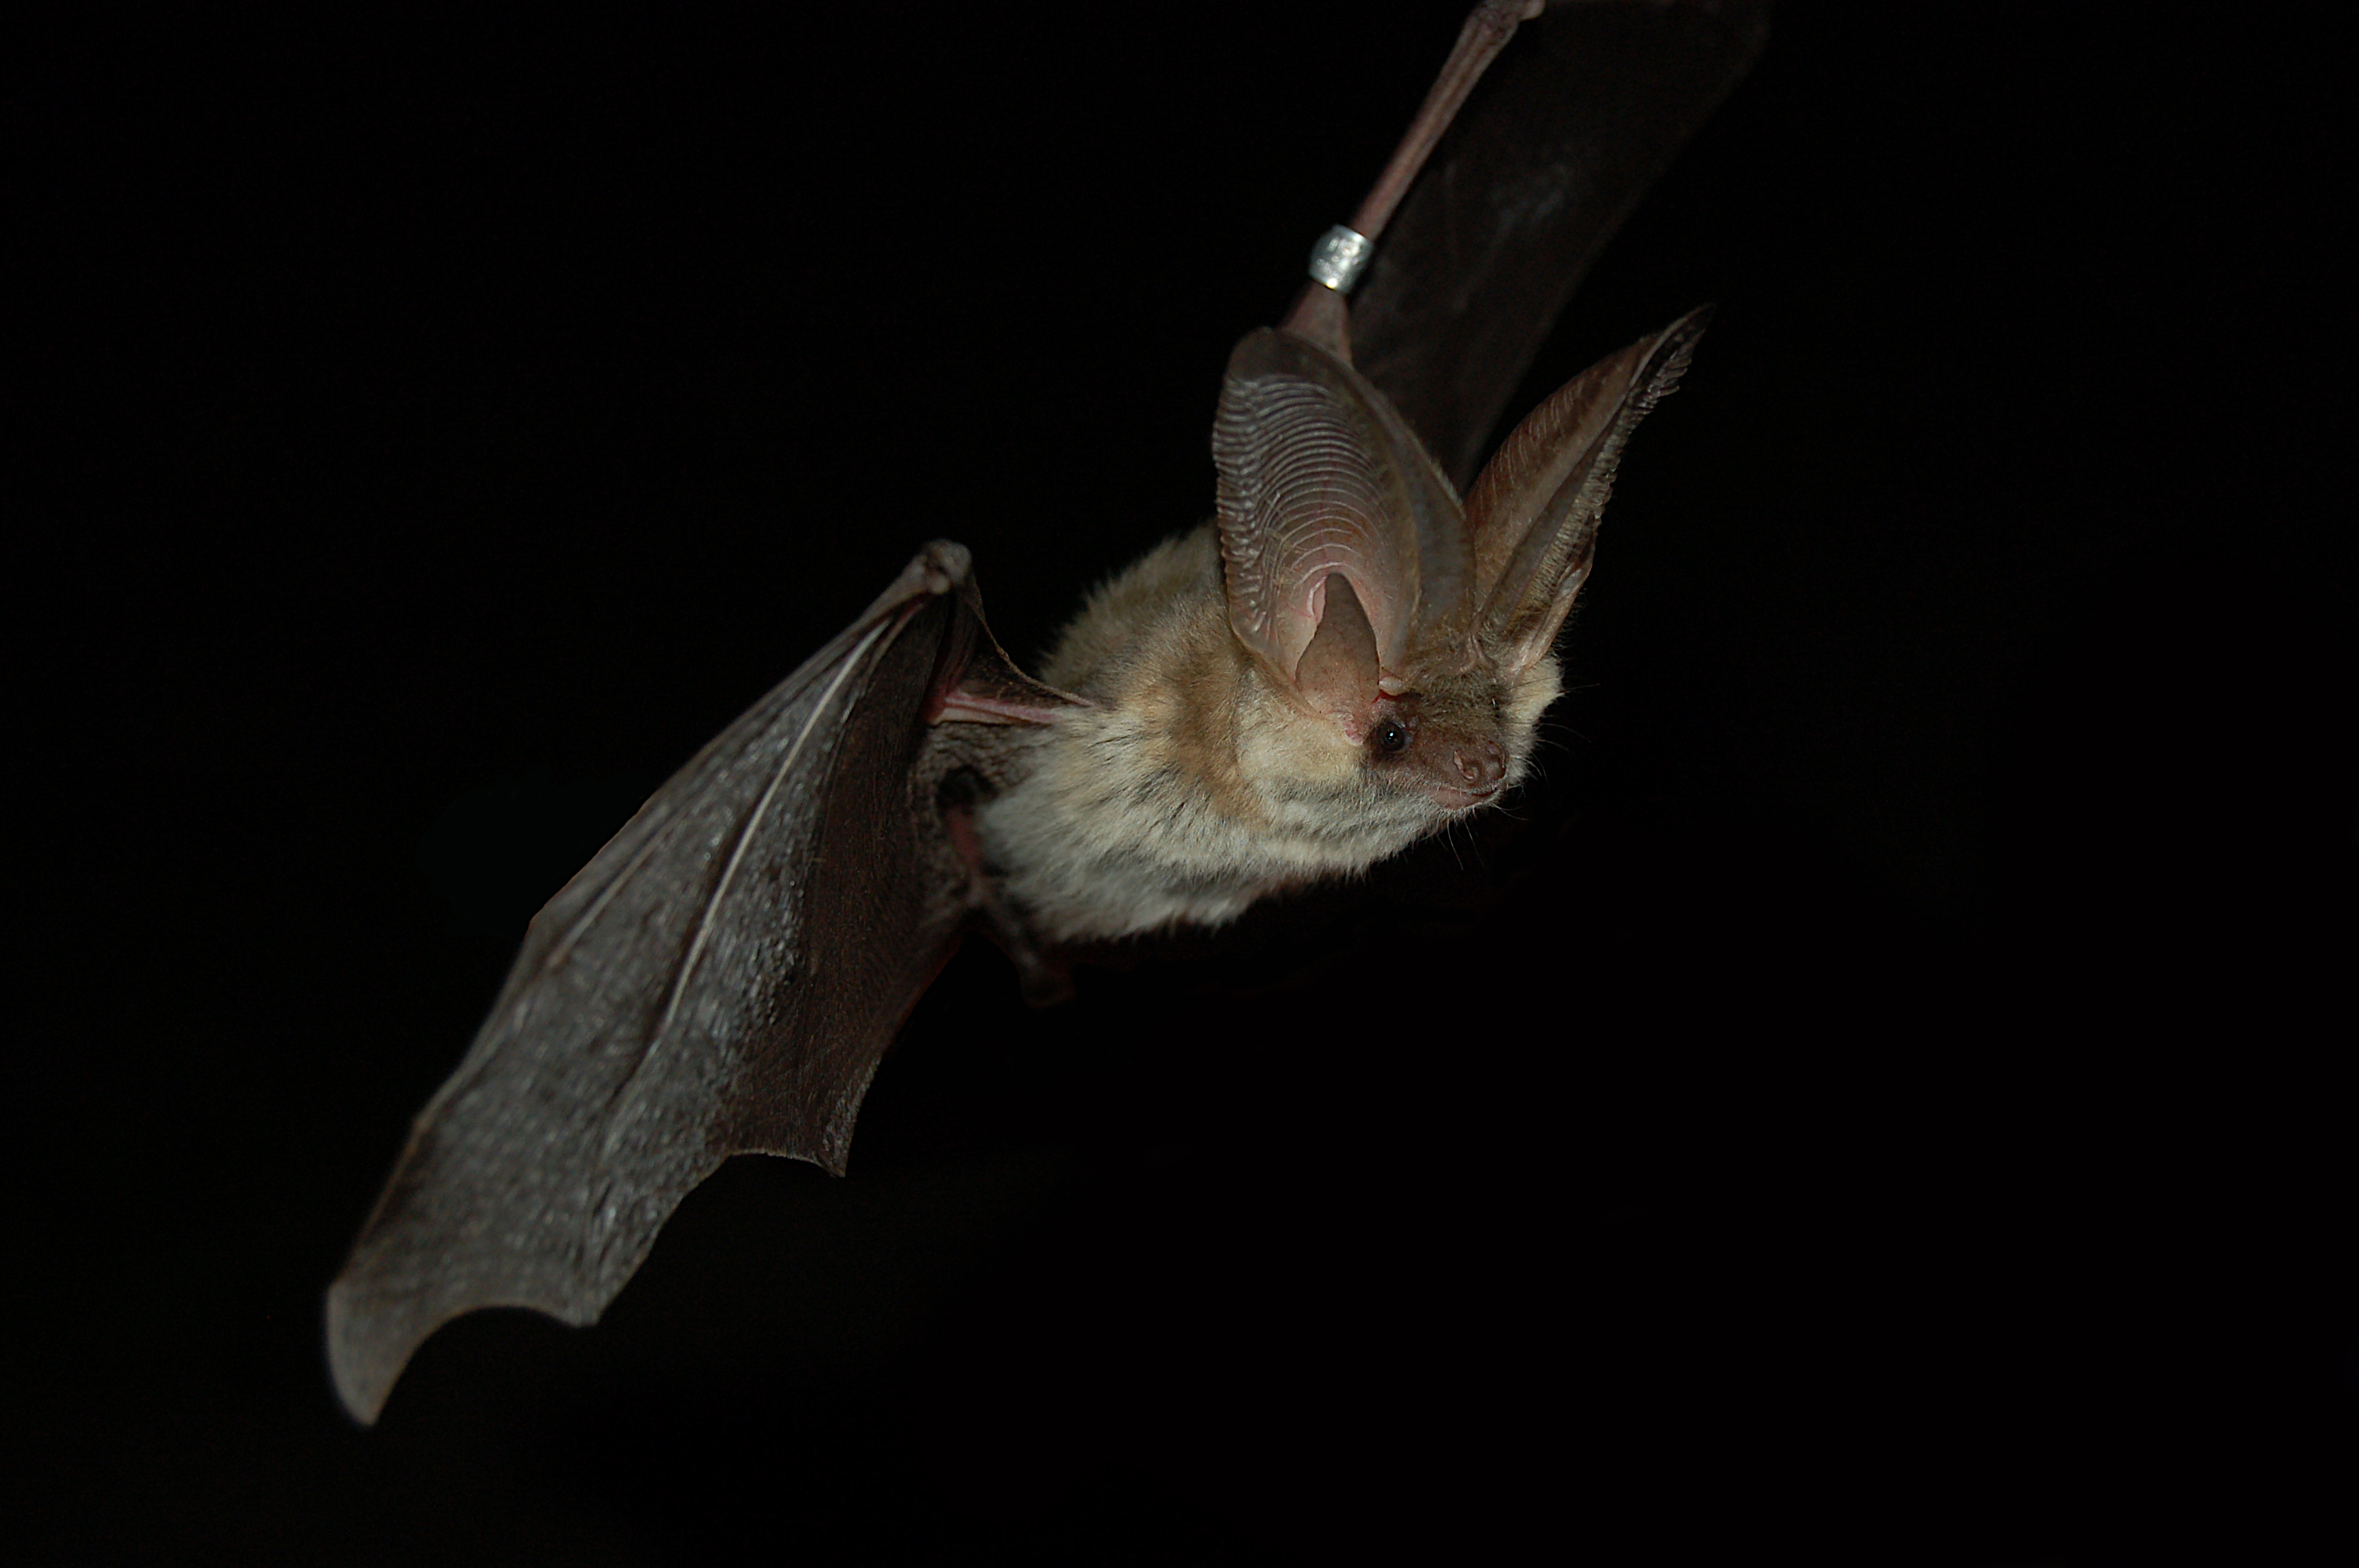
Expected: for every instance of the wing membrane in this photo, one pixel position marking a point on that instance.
(1579, 115)
(712, 983)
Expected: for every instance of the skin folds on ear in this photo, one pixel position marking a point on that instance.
(1320, 481)
(1532, 517)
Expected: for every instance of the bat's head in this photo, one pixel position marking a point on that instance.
(1416, 630)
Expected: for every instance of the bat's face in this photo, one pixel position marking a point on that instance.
(1459, 737)
(1371, 778)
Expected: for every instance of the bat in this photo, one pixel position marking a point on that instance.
(1346, 658)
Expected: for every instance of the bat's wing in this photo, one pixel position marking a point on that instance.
(1573, 121)
(723, 979)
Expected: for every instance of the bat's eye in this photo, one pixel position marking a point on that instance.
(1391, 737)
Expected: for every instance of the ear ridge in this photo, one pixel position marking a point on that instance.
(1319, 476)
(1533, 514)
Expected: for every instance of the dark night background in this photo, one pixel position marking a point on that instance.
(1884, 1101)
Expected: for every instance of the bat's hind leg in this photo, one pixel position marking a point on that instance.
(1045, 977)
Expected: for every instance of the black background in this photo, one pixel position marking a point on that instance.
(1881, 1100)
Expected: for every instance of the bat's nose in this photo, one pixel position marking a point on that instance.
(1482, 764)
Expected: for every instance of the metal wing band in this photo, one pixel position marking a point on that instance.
(1340, 257)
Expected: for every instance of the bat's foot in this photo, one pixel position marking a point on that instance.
(1047, 981)
(1045, 977)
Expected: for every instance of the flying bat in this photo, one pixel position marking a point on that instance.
(1354, 652)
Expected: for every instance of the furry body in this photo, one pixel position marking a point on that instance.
(1195, 784)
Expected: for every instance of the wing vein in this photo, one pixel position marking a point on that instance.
(745, 834)
(658, 831)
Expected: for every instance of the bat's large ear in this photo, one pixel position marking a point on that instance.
(1532, 516)
(1341, 538)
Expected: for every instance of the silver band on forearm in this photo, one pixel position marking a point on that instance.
(1340, 257)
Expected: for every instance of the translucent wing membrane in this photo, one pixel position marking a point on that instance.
(1570, 124)
(712, 983)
